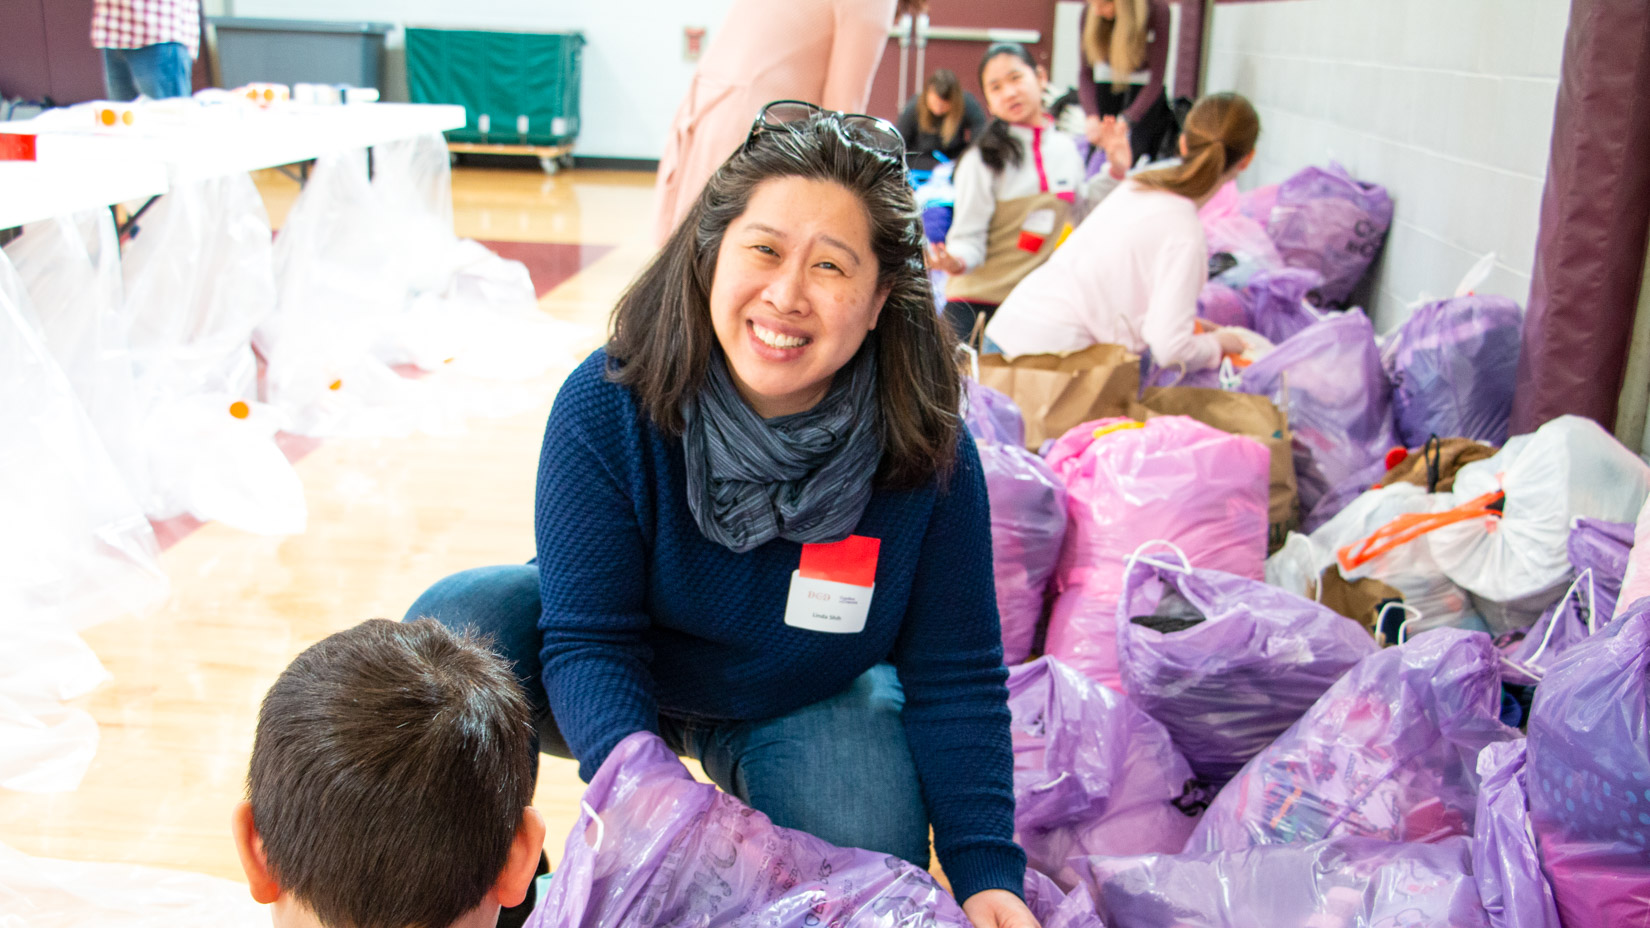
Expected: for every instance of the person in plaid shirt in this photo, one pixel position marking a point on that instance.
(148, 46)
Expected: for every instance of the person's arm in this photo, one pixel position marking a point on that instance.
(950, 661)
(592, 563)
(1157, 59)
(1087, 91)
(908, 127)
(861, 33)
(975, 201)
(1177, 273)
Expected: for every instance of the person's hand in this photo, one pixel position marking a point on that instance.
(998, 908)
(1114, 141)
(941, 260)
(1231, 342)
(1094, 131)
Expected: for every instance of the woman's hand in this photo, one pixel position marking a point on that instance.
(998, 908)
(1094, 131)
(941, 260)
(1114, 141)
(1231, 342)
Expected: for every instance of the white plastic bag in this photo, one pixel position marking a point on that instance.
(75, 548)
(43, 892)
(71, 269)
(1411, 568)
(1518, 565)
(199, 278)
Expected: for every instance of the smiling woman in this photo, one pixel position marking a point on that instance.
(762, 532)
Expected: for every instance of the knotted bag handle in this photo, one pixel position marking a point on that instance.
(1407, 528)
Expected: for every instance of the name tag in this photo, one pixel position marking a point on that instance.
(831, 590)
(1039, 225)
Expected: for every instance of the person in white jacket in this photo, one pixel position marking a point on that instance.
(1017, 189)
(1131, 274)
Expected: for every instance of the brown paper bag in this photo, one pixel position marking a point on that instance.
(1358, 600)
(1251, 416)
(1057, 392)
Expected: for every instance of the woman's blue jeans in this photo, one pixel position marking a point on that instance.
(155, 71)
(839, 768)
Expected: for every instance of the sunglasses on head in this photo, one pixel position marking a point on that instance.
(879, 135)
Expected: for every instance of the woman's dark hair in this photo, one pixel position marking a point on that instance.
(999, 149)
(662, 335)
(942, 84)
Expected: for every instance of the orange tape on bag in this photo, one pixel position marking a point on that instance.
(1407, 528)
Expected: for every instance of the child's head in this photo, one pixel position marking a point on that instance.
(1013, 84)
(1216, 144)
(390, 783)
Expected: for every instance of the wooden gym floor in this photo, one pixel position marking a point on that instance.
(387, 517)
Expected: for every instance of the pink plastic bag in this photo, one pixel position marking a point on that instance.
(1589, 775)
(1505, 862)
(1028, 524)
(1389, 752)
(1092, 773)
(1172, 479)
(654, 847)
(1342, 883)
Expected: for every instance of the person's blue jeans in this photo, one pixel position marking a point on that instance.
(839, 769)
(155, 71)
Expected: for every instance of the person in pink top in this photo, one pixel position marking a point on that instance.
(820, 51)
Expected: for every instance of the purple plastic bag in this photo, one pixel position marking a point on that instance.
(1278, 305)
(936, 221)
(1342, 494)
(992, 416)
(1093, 774)
(1327, 221)
(1172, 479)
(1028, 524)
(1453, 366)
(1329, 379)
(653, 847)
(1505, 862)
(1389, 752)
(1226, 687)
(1598, 552)
(1589, 775)
(1054, 908)
(1224, 306)
(1342, 883)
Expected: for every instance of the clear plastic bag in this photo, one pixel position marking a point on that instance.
(650, 838)
(45, 747)
(199, 280)
(1389, 751)
(42, 892)
(71, 269)
(77, 549)
(1344, 883)
(1093, 774)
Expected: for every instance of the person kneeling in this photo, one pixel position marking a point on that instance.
(391, 774)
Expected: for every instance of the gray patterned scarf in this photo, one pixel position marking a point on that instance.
(803, 477)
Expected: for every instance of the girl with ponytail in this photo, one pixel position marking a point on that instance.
(1131, 274)
(1017, 189)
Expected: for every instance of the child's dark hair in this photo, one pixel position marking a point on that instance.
(390, 771)
(997, 147)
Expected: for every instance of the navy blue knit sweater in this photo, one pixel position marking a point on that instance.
(643, 615)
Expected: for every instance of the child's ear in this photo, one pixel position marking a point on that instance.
(250, 847)
(523, 862)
